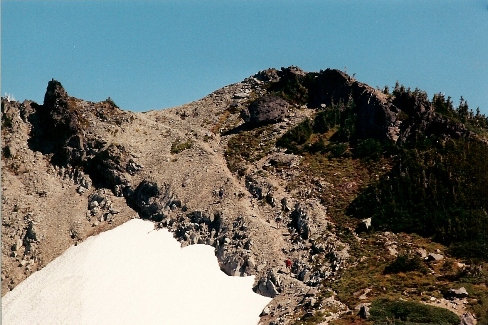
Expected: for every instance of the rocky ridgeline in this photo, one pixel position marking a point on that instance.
(379, 115)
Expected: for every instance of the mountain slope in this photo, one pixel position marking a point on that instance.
(277, 173)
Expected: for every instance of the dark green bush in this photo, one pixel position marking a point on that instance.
(369, 149)
(296, 136)
(405, 263)
(317, 146)
(471, 249)
(291, 87)
(178, 145)
(325, 120)
(338, 149)
(408, 312)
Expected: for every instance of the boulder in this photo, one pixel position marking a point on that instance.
(421, 252)
(468, 319)
(304, 275)
(434, 257)
(108, 167)
(284, 205)
(199, 217)
(241, 95)
(300, 221)
(30, 233)
(266, 288)
(145, 199)
(254, 187)
(269, 286)
(457, 293)
(265, 312)
(30, 237)
(232, 265)
(270, 199)
(265, 110)
(132, 167)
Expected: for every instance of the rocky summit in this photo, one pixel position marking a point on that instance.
(350, 204)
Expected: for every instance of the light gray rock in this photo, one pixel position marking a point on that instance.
(435, 257)
(458, 293)
(367, 223)
(300, 221)
(265, 312)
(422, 252)
(364, 225)
(269, 286)
(468, 319)
(363, 311)
(274, 277)
(251, 262)
(312, 301)
(93, 204)
(241, 95)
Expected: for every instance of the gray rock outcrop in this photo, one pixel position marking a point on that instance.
(265, 110)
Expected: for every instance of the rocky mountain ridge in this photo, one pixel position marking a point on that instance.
(215, 172)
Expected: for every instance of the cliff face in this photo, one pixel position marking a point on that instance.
(271, 171)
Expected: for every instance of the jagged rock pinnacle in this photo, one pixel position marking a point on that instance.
(54, 93)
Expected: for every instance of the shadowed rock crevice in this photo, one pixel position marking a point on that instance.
(149, 200)
(108, 168)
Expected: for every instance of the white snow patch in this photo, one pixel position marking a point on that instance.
(133, 274)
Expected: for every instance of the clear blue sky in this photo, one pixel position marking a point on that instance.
(155, 54)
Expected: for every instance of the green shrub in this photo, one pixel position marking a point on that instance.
(408, 312)
(178, 146)
(405, 263)
(296, 136)
(471, 249)
(338, 149)
(317, 146)
(347, 129)
(369, 149)
(327, 119)
(247, 147)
